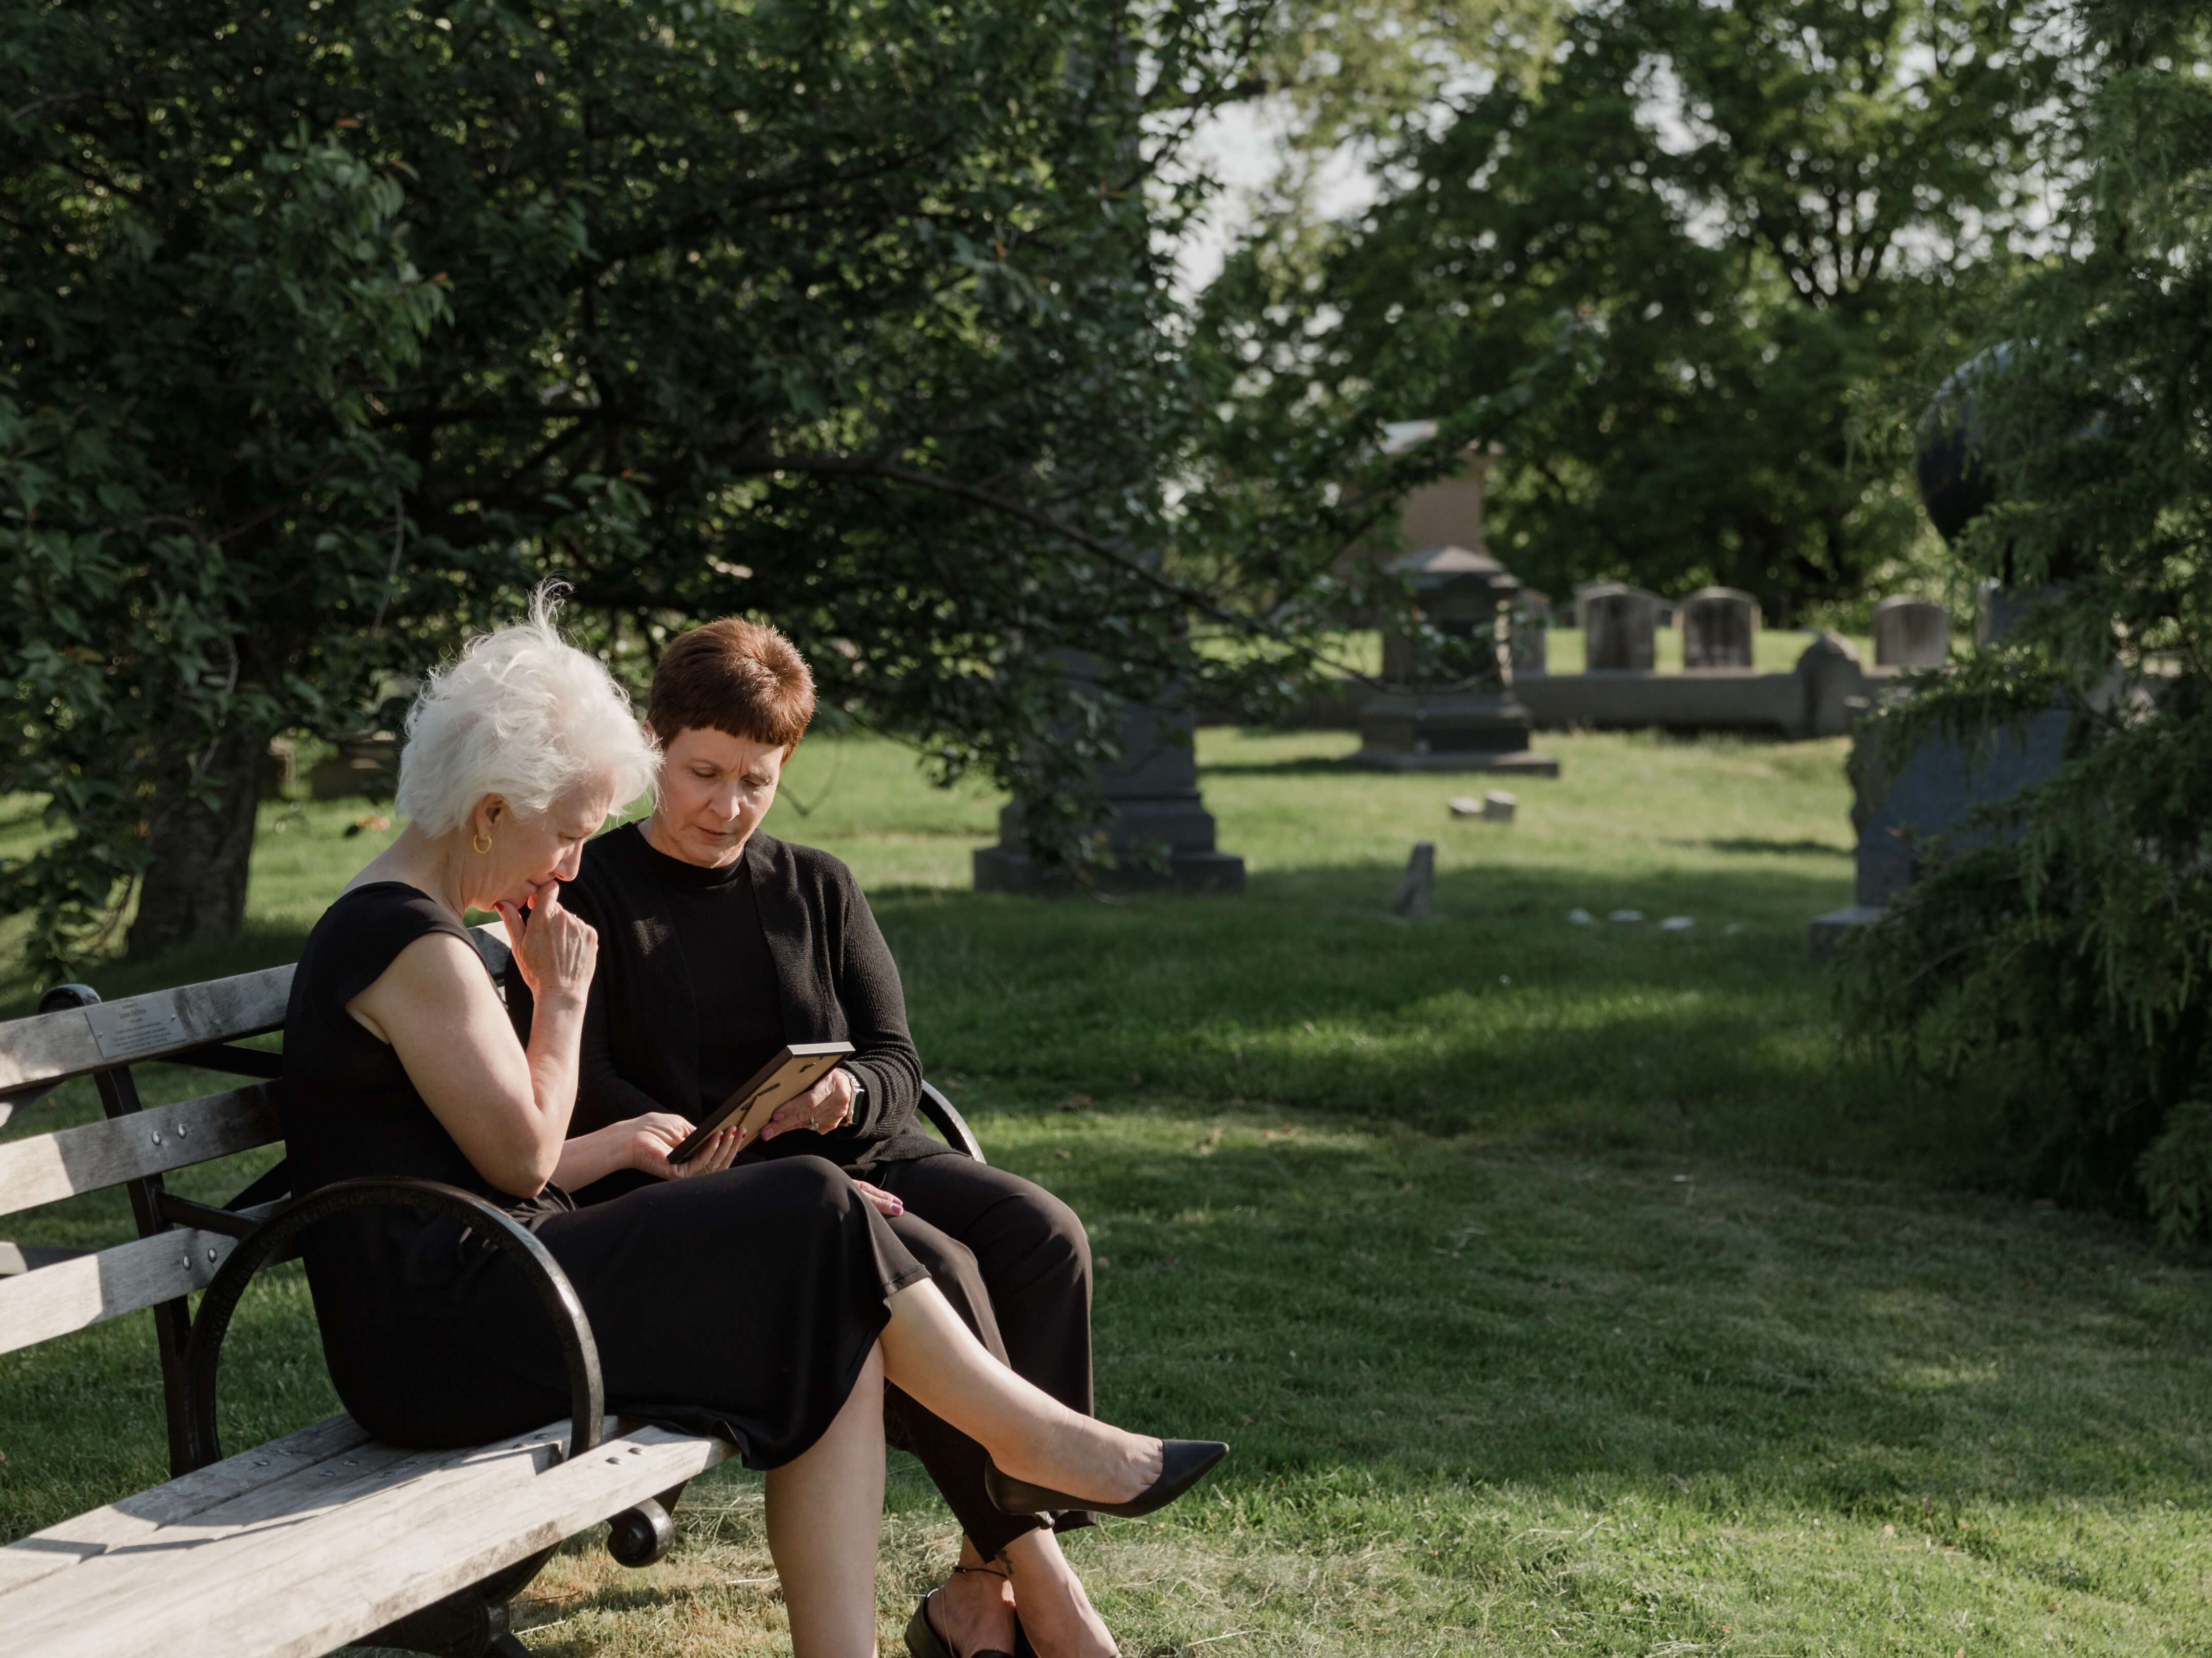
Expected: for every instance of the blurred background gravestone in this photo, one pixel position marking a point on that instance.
(1158, 834)
(1620, 623)
(1447, 703)
(1718, 627)
(1911, 632)
(365, 764)
(1528, 625)
(1901, 811)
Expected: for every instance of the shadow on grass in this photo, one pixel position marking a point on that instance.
(1772, 848)
(1496, 1012)
(1304, 767)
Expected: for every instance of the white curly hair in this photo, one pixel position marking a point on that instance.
(523, 714)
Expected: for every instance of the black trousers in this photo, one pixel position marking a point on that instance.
(1015, 1263)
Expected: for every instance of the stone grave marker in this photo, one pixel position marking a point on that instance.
(1718, 626)
(1418, 884)
(1618, 622)
(1911, 632)
(1527, 624)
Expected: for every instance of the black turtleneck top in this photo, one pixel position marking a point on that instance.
(704, 972)
(718, 928)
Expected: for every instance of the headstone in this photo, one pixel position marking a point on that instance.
(1528, 634)
(1911, 632)
(1464, 806)
(1924, 802)
(1498, 806)
(1583, 591)
(1157, 835)
(1718, 627)
(1418, 885)
(1617, 624)
(1448, 703)
(1832, 684)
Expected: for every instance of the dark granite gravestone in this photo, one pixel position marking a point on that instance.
(1452, 710)
(1619, 629)
(1939, 786)
(1158, 834)
(1719, 625)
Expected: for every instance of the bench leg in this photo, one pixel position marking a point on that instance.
(472, 1624)
(639, 1536)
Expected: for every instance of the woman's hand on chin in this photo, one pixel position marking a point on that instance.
(652, 1137)
(554, 951)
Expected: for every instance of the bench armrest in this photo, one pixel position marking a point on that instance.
(269, 1241)
(940, 1113)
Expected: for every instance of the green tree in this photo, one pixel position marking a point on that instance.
(2061, 976)
(200, 521)
(1753, 210)
(857, 317)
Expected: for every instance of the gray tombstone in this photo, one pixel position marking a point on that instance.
(1718, 626)
(1577, 617)
(1418, 885)
(1911, 632)
(1618, 625)
(1528, 634)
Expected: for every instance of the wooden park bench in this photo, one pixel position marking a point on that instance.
(325, 1537)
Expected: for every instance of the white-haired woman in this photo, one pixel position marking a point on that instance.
(766, 1304)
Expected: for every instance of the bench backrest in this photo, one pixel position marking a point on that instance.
(46, 1293)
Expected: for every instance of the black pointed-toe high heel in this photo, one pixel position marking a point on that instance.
(1184, 1463)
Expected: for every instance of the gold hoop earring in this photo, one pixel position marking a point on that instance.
(482, 844)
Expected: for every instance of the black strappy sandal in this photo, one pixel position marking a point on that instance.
(922, 1640)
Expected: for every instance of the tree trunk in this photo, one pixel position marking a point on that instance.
(194, 884)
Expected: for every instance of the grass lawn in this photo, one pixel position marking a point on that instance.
(1561, 1287)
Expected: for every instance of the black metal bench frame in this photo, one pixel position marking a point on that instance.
(473, 1623)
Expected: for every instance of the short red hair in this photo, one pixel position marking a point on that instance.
(734, 676)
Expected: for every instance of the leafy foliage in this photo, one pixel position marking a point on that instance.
(201, 525)
(1752, 209)
(2063, 972)
(854, 318)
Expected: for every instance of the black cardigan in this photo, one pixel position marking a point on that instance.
(837, 980)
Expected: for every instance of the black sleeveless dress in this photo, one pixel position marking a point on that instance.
(742, 1303)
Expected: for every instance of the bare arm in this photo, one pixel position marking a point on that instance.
(507, 1106)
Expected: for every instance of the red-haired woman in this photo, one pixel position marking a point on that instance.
(720, 943)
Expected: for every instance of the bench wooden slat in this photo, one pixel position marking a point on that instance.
(52, 1301)
(50, 1047)
(294, 1568)
(136, 1519)
(89, 1158)
(30, 1257)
